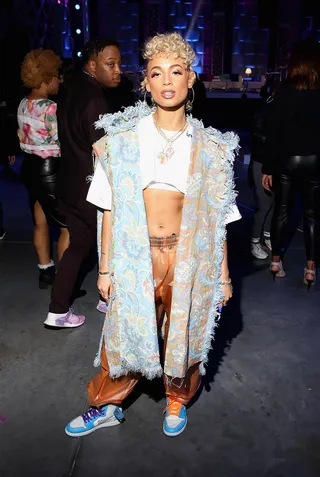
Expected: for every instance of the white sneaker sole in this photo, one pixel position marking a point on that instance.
(175, 434)
(51, 322)
(85, 433)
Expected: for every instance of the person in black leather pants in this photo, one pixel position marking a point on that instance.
(293, 162)
(39, 142)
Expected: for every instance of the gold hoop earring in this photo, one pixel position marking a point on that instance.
(189, 103)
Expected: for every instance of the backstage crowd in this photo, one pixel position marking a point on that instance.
(53, 127)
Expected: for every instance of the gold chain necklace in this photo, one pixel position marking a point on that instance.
(168, 151)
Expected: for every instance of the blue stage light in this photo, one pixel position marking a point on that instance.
(79, 54)
(77, 6)
(78, 31)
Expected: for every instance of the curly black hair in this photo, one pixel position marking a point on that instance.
(93, 47)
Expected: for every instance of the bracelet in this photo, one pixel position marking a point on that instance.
(223, 282)
(103, 274)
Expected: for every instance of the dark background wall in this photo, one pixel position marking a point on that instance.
(25, 25)
(227, 35)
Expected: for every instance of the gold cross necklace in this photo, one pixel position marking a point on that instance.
(168, 150)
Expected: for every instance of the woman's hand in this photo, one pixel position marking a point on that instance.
(105, 287)
(267, 182)
(11, 160)
(225, 281)
(227, 291)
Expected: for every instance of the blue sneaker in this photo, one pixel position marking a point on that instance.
(175, 420)
(94, 419)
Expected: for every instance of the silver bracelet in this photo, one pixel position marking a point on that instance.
(103, 274)
(223, 282)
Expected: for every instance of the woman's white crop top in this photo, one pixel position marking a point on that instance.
(172, 175)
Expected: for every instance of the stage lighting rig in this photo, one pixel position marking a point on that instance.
(79, 24)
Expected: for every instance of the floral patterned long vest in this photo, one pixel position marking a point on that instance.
(130, 330)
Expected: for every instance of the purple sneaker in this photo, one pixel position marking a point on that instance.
(69, 320)
(102, 306)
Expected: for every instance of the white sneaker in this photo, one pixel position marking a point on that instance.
(258, 251)
(267, 243)
(93, 419)
(67, 320)
(175, 419)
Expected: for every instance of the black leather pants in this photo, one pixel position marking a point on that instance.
(39, 176)
(297, 173)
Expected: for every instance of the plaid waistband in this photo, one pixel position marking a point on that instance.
(164, 242)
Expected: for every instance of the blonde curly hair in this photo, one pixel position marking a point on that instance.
(167, 43)
(39, 66)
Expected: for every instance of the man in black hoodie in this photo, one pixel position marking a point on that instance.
(82, 101)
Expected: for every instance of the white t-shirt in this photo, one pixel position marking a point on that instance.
(173, 175)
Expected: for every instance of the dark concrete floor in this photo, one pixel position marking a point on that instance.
(259, 411)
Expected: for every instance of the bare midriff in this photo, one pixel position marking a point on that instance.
(164, 211)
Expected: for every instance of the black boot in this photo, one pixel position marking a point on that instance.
(46, 277)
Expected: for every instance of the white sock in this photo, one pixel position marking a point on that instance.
(56, 315)
(266, 235)
(255, 240)
(44, 267)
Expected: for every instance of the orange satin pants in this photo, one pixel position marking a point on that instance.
(104, 390)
